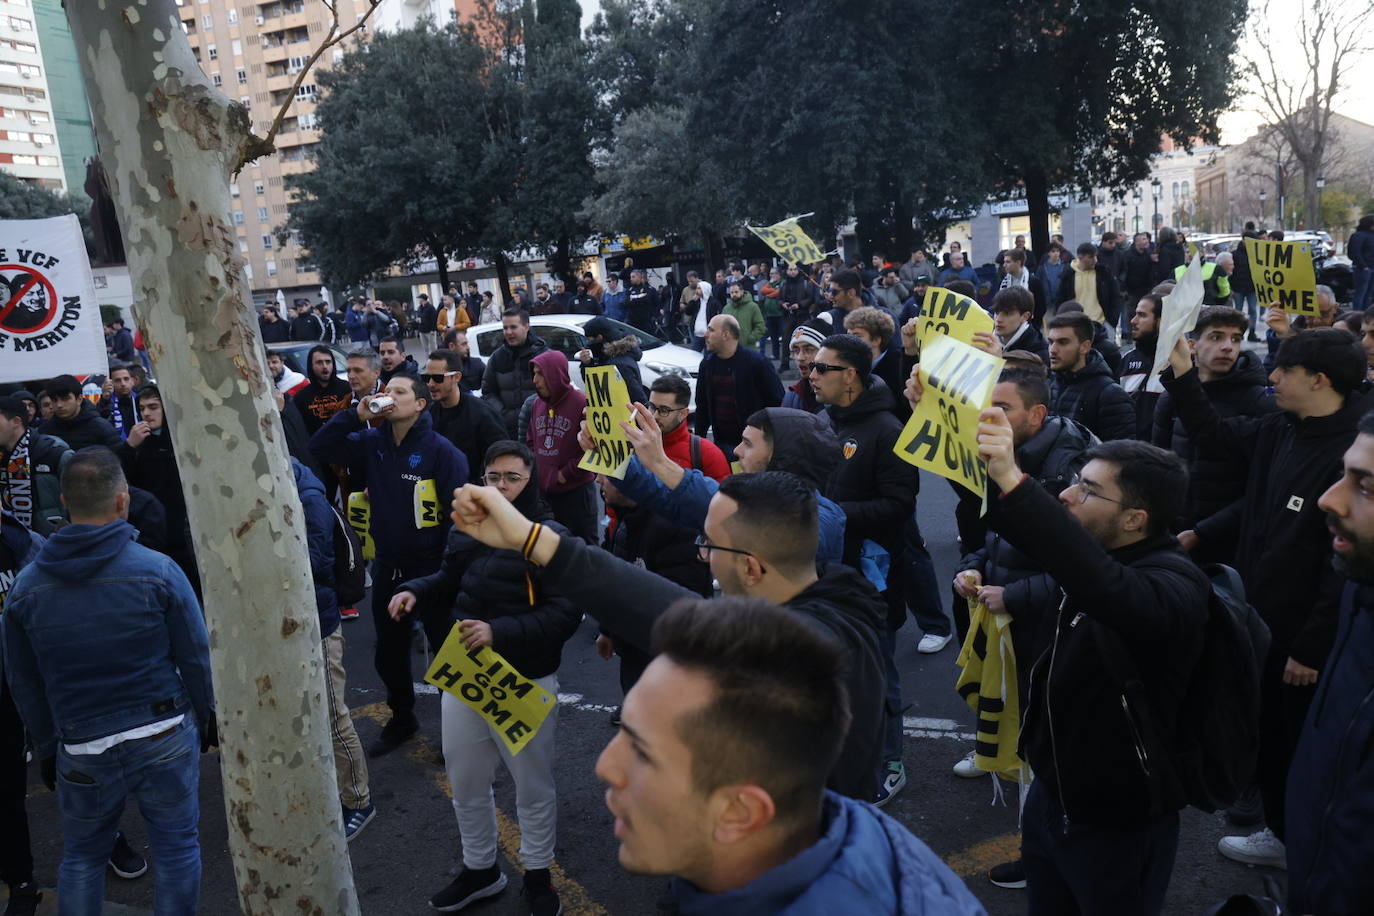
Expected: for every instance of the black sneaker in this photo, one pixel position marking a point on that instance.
(471, 884)
(24, 900)
(394, 733)
(1008, 874)
(539, 892)
(124, 862)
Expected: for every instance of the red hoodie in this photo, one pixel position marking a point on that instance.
(553, 427)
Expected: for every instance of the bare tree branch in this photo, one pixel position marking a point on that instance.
(254, 146)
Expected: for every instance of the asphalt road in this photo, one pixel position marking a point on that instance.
(411, 849)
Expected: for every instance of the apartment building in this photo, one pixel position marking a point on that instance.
(28, 138)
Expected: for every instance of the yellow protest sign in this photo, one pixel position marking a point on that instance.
(1283, 275)
(360, 520)
(942, 434)
(791, 243)
(608, 403)
(428, 510)
(949, 313)
(513, 704)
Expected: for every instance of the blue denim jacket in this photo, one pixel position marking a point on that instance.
(103, 635)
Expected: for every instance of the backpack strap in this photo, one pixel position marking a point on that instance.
(695, 445)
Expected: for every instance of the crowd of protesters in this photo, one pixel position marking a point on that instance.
(751, 570)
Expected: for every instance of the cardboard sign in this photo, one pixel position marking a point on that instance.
(1284, 275)
(942, 434)
(953, 315)
(608, 403)
(360, 520)
(792, 244)
(49, 319)
(513, 705)
(1177, 316)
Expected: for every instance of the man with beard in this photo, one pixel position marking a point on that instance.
(394, 359)
(806, 343)
(306, 326)
(74, 419)
(470, 423)
(120, 404)
(326, 394)
(1142, 388)
(274, 328)
(509, 378)
(1233, 380)
(1330, 849)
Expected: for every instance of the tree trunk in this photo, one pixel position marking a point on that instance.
(168, 140)
(503, 278)
(437, 249)
(1038, 207)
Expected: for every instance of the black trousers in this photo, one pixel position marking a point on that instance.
(577, 510)
(1093, 870)
(16, 854)
(1283, 710)
(392, 653)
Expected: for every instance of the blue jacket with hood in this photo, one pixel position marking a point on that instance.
(319, 541)
(408, 536)
(864, 862)
(103, 635)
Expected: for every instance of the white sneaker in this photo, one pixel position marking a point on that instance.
(1261, 848)
(932, 643)
(965, 768)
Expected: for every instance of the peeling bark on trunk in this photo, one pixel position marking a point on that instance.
(168, 141)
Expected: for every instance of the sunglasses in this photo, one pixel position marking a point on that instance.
(823, 368)
(436, 379)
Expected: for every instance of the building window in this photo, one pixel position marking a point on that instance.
(237, 47)
(295, 64)
(306, 93)
(243, 246)
(246, 102)
(262, 214)
(242, 76)
(267, 243)
(212, 52)
(248, 273)
(308, 121)
(271, 268)
(238, 217)
(233, 17)
(207, 21)
(216, 79)
(234, 189)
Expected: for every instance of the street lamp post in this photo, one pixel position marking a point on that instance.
(1263, 195)
(1137, 195)
(1154, 186)
(1317, 218)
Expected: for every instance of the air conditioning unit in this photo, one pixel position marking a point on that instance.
(33, 120)
(31, 98)
(258, 19)
(26, 74)
(39, 143)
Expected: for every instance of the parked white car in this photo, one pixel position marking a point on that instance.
(564, 333)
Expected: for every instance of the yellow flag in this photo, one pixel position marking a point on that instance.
(987, 682)
(791, 243)
(514, 705)
(942, 434)
(360, 520)
(608, 403)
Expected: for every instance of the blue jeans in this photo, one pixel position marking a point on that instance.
(892, 723)
(1249, 304)
(1364, 288)
(163, 775)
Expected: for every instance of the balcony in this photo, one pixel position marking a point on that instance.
(281, 23)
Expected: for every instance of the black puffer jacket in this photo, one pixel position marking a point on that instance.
(1214, 482)
(1052, 456)
(530, 621)
(1104, 344)
(665, 548)
(1080, 731)
(1092, 397)
(509, 380)
(88, 427)
(1137, 272)
(1171, 256)
(876, 489)
(1283, 549)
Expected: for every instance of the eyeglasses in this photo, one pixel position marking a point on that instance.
(662, 411)
(436, 378)
(704, 548)
(511, 477)
(823, 368)
(1083, 493)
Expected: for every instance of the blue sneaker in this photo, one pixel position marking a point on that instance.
(355, 819)
(894, 778)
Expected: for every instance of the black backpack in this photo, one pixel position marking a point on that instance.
(1217, 739)
(350, 569)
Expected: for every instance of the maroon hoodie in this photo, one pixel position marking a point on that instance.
(553, 427)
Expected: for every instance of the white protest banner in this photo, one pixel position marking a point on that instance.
(49, 319)
(1177, 316)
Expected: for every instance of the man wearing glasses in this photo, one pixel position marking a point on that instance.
(467, 421)
(668, 399)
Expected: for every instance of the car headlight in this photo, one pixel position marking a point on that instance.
(665, 369)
